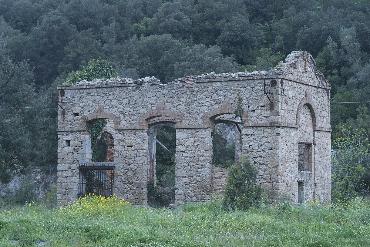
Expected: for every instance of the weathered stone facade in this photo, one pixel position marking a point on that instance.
(276, 112)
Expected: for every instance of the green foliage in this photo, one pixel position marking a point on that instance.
(350, 164)
(265, 59)
(26, 193)
(95, 128)
(99, 221)
(167, 58)
(242, 191)
(160, 196)
(25, 123)
(95, 69)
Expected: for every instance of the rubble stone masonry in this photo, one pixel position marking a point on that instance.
(275, 111)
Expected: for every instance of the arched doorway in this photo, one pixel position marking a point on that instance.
(161, 174)
(226, 148)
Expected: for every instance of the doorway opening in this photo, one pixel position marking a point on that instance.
(162, 151)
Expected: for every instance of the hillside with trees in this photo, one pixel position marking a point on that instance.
(43, 41)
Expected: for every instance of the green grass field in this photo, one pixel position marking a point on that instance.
(111, 222)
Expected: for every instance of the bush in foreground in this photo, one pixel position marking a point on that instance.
(242, 191)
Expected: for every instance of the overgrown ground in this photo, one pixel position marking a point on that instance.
(112, 222)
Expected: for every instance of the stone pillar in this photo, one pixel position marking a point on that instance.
(193, 165)
(69, 154)
(131, 175)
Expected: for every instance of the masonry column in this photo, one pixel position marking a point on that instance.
(71, 150)
(193, 165)
(132, 166)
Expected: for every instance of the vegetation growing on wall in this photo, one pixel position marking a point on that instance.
(95, 69)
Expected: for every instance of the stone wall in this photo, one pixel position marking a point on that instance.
(270, 106)
(34, 184)
(219, 180)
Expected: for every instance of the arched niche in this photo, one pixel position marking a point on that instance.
(306, 138)
(304, 104)
(306, 125)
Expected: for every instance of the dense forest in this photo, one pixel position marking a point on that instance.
(42, 41)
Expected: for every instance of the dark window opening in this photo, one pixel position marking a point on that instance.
(300, 192)
(68, 143)
(63, 113)
(96, 180)
(273, 83)
(162, 150)
(76, 114)
(103, 151)
(61, 93)
(102, 142)
(225, 144)
(304, 157)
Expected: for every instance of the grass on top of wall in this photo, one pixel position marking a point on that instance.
(100, 221)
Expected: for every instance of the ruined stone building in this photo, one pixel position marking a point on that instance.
(280, 120)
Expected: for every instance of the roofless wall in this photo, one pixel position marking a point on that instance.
(282, 115)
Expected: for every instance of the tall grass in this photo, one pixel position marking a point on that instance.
(112, 222)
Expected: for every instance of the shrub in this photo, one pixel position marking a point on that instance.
(26, 193)
(350, 164)
(160, 196)
(94, 205)
(242, 192)
(95, 69)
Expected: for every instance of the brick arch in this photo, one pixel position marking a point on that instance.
(160, 114)
(98, 114)
(307, 101)
(224, 109)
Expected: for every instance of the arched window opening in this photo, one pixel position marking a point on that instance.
(162, 150)
(102, 142)
(226, 141)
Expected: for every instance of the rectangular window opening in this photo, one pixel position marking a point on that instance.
(68, 143)
(304, 156)
(300, 192)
